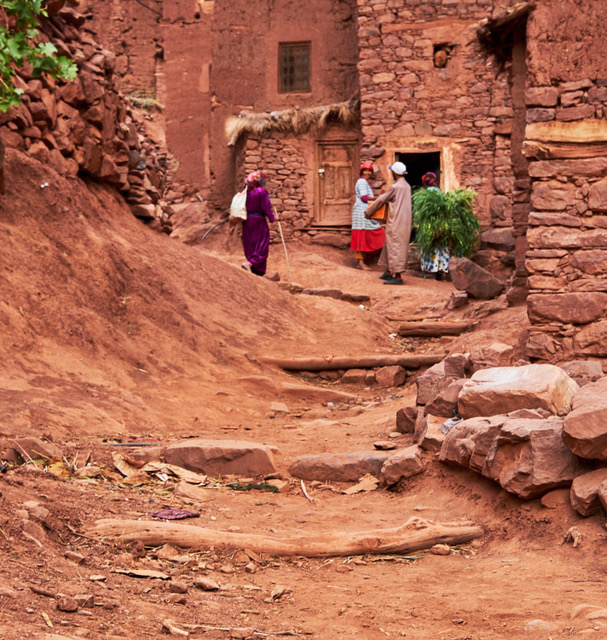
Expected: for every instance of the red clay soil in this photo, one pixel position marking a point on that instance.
(113, 333)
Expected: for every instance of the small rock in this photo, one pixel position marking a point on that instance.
(538, 625)
(176, 598)
(343, 568)
(382, 445)
(67, 604)
(86, 601)
(206, 584)
(555, 499)
(250, 567)
(178, 587)
(278, 591)
(74, 557)
(97, 578)
(226, 568)
(582, 610)
(34, 530)
(441, 550)
(279, 407)
(392, 376)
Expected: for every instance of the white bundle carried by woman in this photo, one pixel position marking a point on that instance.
(238, 208)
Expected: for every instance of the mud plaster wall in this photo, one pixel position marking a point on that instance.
(566, 142)
(244, 75)
(186, 93)
(460, 110)
(163, 50)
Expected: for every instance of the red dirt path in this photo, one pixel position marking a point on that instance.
(112, 332)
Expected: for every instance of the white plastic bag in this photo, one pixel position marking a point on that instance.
(238, 208)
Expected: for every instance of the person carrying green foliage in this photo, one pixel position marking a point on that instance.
(445, 224)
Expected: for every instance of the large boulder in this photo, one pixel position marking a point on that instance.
(401, 465)
(528, 458)
(468, 442)
(504, 389)
(474, 280)
(432, 382)
(339, 467)
(221, 457)
(584, 492)
(585, 428)
(583, 371)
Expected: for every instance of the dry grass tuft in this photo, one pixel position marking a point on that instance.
(295, 120)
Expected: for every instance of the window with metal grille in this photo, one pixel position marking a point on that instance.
(294, 67)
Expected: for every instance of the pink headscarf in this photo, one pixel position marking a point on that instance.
(256, 179)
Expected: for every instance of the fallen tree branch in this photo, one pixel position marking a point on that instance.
(433, 329)
(347, 362)
(415, 534)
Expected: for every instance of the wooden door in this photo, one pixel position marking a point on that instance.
(336, 171)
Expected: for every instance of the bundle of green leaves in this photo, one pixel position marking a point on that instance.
(445, 219)
(20, 43)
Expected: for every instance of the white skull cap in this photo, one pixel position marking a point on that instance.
(398, 168)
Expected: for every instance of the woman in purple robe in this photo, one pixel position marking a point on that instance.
(255, 232)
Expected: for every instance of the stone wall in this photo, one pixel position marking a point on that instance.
(566, 143)
(85, 128)
(426, 88)
(284, 158)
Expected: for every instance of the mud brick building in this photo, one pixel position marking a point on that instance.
(509, 99)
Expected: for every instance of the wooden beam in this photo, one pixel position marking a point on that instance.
(580, 131)
(413, 535)
(352, 362)
(561, 151)
(433, 329)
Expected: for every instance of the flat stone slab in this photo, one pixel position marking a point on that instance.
(501, 390)
(222, 457)
(339, 467)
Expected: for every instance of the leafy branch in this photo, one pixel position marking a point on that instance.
(20, 45)
(445, 220)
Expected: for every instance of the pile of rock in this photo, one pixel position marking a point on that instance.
(530, 428)
(86, 127)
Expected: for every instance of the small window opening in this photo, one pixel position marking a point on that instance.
(294, 67)
(442, 54)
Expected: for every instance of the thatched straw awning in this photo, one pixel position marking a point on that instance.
(294, 120)
(496, 34)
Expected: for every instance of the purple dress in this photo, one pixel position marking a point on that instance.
(255, 232)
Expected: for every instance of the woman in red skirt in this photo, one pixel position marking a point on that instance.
(367, 235)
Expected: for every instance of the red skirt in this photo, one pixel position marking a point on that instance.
(367, 240)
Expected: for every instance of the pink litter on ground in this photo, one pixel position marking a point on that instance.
(174, 514)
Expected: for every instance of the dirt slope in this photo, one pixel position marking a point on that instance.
(112, 318)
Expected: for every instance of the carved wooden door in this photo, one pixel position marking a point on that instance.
(336, 171)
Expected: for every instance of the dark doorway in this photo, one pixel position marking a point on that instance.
(419, 163)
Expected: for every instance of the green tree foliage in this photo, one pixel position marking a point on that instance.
(20, 44)
(445, 220)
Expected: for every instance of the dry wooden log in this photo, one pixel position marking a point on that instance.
(433, 329)
(554, 151)
(414, 535)
(352, 362)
